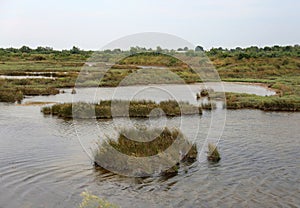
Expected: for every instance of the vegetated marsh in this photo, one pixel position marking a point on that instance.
(121, 108)
(267, 103)
(251, 101)
(12, 90)
(169, 146)
(276, 66)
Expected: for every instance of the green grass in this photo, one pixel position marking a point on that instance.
(270, 103)
(121, 108)
(142, 144)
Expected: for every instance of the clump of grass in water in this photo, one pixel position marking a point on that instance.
(92, 201)
(140, 143)
(213, 153)
(204, 93)
(9, 95)
(209, 106)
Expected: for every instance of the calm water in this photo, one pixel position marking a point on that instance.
(151, 92)
(43, 165)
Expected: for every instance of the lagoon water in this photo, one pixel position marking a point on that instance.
(42, 163)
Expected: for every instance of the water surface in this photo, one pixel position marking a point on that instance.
(43, 165)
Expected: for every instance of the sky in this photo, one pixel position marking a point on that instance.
(91, 24)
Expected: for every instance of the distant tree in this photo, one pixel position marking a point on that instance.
(41, 49)
(238, 49)
(25, 49)
(14, 50)
(267, 48)
(179, 49)
(213, 51)
(75, 50)
(133, 50)
(276, 47)
(117, 50)
(107, 51)
(159, 49)
(143, 49)
(287, 48)
(199, 48)
(185, 48)
(252, 49)
(242, 56)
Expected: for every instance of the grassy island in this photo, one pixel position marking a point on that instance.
(267, 103)
(121, 108)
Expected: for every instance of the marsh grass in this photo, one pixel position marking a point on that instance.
(204, 93)
(267, 103)
(15, 90)
(143, 143)
(213, 154)
(208, 106)
(36, 103)
(121, 108)
(10, 95)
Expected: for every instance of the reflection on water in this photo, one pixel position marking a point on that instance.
(43, 165)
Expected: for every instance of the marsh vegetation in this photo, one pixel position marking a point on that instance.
(143, 143)
(276, 66)
(121, 108)
(213, 154)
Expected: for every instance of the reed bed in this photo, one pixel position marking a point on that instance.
(121, 108)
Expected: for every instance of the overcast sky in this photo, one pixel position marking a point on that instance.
(92, 24)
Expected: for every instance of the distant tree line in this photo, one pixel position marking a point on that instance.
(43, 50)
(238, 52)
(256, 52)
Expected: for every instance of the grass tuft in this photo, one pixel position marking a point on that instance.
(213, 154)
(142, 144)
